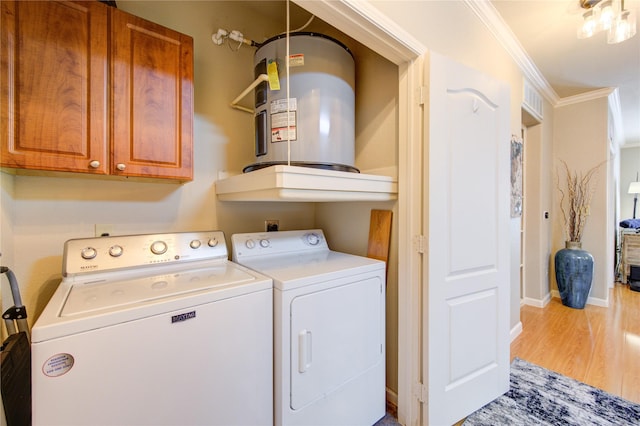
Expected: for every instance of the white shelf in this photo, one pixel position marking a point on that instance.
(294, 183)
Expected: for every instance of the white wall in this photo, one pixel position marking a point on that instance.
(581, 140)
(7, 257)
(629, 167)
(538, 200)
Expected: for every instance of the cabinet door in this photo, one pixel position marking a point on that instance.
(53, 82)
(152, 99)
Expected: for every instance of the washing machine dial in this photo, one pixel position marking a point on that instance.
(264, 243)
(158, 247)
(116, 251)
(88, 253)
(249, 244)
(212, 242)
(313, 239)
(194, 244)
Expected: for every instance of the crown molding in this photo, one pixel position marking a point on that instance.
(488, 14)
(587, 96)
(501, 31)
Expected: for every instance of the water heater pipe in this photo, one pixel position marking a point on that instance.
(234, 103)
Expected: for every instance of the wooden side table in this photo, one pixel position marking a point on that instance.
(630, 253)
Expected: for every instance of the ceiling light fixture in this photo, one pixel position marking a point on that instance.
(609, 16)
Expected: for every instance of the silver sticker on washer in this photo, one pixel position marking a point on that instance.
(58, 365)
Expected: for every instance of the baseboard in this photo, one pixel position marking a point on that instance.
(596, 301)
(515, 331)
(538, 303)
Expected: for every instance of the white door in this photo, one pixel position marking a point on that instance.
(466, 270)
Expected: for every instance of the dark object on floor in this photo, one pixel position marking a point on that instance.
(634, 278)
(16, 379)
(542, 397)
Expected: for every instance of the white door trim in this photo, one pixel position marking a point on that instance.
(369, 26)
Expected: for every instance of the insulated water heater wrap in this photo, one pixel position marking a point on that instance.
(321, 103)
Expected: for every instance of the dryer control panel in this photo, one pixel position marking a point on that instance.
(281, 242)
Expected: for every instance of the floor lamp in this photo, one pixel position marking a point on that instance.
(634, 188)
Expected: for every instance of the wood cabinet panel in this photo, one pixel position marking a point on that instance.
(90, 88)
(152, 70)
(53, 86)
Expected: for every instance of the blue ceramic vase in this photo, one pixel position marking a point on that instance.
(574, 273)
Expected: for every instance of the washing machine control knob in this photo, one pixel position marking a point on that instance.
(249, 244)
(115, 251)
(88, 253)
(194, 244)
(158, 247)
(264, 243)
(212, 242)
(313, 239)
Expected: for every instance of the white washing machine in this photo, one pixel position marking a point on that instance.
(329, 322)
(154, 330)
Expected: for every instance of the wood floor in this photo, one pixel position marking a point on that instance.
(598, 346)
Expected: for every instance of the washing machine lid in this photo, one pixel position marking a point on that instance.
(114, 294)
(90, 304)
(294, 270)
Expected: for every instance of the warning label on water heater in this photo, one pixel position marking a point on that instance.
(281, 105)
(296, 60)
(281, 130)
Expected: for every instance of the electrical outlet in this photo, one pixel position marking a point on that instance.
(271, 225)
(103, 230)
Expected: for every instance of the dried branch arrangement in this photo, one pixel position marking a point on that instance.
(575, 200)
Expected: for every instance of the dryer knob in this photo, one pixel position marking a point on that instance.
(264, 243)
(249, 244)
(212, 242)
(313, 239)
(194, 244)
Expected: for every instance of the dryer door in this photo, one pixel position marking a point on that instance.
(337, 334)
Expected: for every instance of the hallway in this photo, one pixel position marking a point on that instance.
(598, 346)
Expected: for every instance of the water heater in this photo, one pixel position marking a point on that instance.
(314, 125)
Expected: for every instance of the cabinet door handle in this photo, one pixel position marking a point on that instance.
(94, 164)
(121, 166)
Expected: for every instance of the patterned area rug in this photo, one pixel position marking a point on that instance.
(542, 397)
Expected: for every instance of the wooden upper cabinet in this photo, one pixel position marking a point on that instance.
(152, 99)
(82, 94)
(53, 82)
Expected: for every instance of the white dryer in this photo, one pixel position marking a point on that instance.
(329, 322)
(154, 330)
